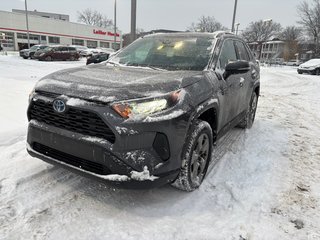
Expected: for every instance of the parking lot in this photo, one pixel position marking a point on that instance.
(266, 184)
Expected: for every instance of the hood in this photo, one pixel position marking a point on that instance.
(311, 63)
(102, 82)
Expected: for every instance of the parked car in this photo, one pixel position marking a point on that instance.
(293, 63)
(92, 51)
(79, 48)
(28, 53)
(311, 67)
(57, 53)
(36, 48)
(98, 58)
(151, 114)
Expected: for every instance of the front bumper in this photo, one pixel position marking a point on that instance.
(309, 71)
(130, 155)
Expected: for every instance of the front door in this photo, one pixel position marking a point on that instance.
(229, 85)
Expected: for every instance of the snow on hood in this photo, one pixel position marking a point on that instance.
(112, 83)
(311, 63)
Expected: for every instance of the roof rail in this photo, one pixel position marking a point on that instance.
(219, 33)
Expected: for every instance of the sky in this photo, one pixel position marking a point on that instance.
(170, 14)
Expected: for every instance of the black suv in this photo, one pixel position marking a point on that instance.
(151, 114)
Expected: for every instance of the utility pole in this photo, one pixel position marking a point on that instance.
(27, 22)
(115, 25)
(133, 19)
(234, 15)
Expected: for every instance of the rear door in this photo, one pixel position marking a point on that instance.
(245, 86)
(64, 53)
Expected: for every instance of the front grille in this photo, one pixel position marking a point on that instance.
(75, 120)
(72, 160)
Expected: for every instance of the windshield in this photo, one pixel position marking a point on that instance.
(170, 53)
(35, 47)
(313, 61)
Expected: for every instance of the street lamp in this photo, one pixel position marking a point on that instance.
(115, 25)
(234, 15)
(27, 22)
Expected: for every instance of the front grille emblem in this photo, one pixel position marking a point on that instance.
(59, 106)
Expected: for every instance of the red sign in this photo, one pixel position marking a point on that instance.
(100, 32)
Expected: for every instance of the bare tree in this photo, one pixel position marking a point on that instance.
(206, 24)
(310, 20)
(291, 35)
(93, 17)
(261, 31)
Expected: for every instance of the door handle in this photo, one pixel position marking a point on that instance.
(241, 81)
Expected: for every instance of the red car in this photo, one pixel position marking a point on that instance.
(57, 53)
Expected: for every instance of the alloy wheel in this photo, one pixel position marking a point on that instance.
(199, 159)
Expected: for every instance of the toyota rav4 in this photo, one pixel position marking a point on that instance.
(151, 114)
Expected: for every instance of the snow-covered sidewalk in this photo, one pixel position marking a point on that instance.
(266, 185)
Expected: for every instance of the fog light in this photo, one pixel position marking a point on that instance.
(161, 146)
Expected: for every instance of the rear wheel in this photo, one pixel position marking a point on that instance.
(196, 157)
(248, 121)
(72, 58)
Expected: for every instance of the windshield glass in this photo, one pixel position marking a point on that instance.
(170, 53)
(313, 61)
(35, 47)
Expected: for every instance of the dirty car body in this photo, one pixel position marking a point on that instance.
(126, 121)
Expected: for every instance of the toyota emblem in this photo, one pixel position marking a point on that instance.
(59, 106)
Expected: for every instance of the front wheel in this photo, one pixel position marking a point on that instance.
(248, 121)
(48, 58)
(196, 157)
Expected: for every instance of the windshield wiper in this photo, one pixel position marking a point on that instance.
(114, 63)
(157, 68)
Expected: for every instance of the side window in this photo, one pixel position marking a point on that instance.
(242, 51)
(227, 55)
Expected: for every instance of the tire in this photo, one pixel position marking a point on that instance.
(195, 157)
(48, 58)
(25, 57)
(248, 121)
(72, 58)
(317, 71)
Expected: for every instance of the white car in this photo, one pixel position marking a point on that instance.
(92, 51)
(311, 67)
(293, 63)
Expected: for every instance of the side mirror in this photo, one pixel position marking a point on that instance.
(237, 68)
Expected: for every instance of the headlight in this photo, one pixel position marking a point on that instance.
(146, 107)
(31, 94)
(41, 54)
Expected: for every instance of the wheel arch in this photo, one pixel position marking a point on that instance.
(207, 111)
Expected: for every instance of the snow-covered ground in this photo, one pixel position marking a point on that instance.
(265, 186)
